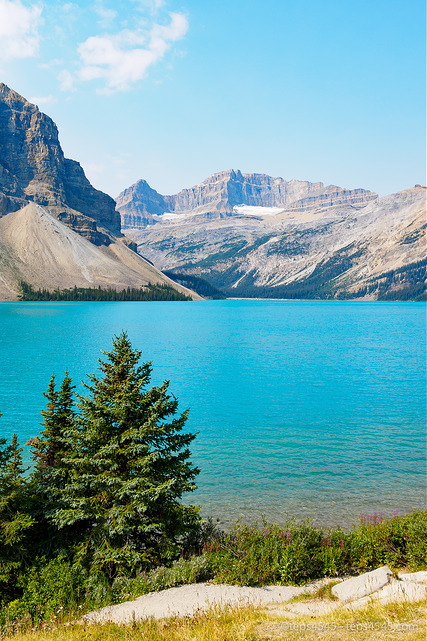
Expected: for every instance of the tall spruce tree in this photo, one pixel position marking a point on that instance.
(50, 474)
(56, 440)
(16, 521)
(129, 469)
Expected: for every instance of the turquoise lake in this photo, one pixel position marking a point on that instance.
(303, 408)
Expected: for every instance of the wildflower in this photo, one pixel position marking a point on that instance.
(288, 536)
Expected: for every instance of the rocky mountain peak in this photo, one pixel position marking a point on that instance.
(33, 168)
(219, 194)
(141, 203)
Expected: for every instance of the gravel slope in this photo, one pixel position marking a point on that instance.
(40, 249)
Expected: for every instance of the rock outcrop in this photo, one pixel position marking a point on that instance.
(221, 193)
(33, 169)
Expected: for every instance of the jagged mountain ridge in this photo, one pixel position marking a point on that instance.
(344, 251)
(33, 169)
(223, 192)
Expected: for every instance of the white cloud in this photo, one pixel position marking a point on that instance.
(69, 7)
(55, 62)
(152, 5)
(123, 59)
(19, 24)
(107, 16)
(43, 100)
(66, 80)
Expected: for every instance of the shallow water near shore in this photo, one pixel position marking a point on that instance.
(307, 408)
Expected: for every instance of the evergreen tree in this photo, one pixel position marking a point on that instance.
(129, 469)
(51, 448)
(15, 519)
(50, 474)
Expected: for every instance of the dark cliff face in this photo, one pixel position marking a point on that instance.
(33, 168)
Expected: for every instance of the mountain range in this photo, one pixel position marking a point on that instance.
(252, 235)
(235, 234)
(222, 194)
(56, 229)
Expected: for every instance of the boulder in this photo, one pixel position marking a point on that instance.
(416, 577)
(363, 585)
(393, 592)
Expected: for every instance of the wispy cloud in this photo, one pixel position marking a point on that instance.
(66, 80)
(152, 5)
(123, 58)
(19, 37)
(43, 100)
(106, 16)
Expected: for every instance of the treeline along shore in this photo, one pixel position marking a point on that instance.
(148, 293)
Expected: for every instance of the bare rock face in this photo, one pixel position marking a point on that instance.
(140, 203)
(33, 169)
(221, 193)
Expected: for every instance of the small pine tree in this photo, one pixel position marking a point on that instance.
(129, 469)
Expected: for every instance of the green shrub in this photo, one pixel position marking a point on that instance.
(300, 552)
(204, 532)
(55, 590)
(51, 589)
(252, 556)
(416, 540)
(378, 542)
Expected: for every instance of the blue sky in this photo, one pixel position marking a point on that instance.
(174, 90)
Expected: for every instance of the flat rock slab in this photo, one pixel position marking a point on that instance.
(360, 586)
(393, 592)
(416, 577)
(186, 600)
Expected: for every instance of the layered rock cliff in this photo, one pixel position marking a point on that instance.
(221, 193)
(33, 169)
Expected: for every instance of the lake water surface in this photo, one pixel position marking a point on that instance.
(303, 408)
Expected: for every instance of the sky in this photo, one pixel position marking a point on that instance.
(172, 91)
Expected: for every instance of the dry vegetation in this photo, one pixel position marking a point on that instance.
(398, 621)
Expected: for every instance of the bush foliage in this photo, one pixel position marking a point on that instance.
(299, 552)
